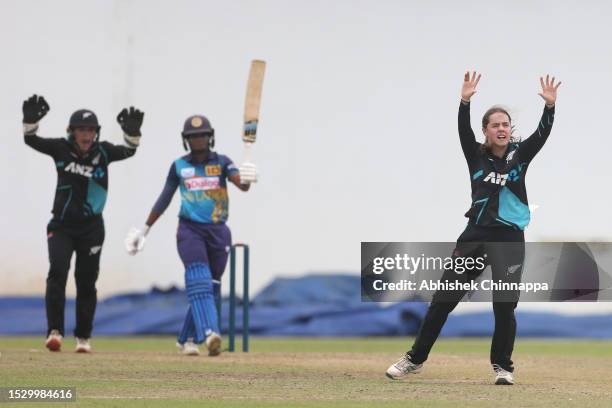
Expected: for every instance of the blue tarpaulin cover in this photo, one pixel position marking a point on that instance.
(312, 305)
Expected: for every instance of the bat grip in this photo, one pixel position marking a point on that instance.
(247, 152)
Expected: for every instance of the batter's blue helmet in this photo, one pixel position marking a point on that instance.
(197, 125)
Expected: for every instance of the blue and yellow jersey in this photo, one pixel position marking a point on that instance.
(203, 188)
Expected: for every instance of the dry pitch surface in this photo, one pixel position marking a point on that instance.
(148, 372)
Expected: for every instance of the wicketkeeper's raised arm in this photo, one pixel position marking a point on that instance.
(34, 109)
(130, 121)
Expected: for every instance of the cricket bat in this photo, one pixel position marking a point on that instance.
(251, 106)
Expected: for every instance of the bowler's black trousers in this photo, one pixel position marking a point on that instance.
(505, 252)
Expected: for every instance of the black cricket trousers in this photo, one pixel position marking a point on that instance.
(84, 239)
(505, 250)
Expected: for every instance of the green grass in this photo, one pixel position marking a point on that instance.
(310, 372)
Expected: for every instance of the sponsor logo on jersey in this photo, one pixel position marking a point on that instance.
(188, 172)
(513, 175)
(202, 183)
(80, 169)
(99, 173)
(213, 170)
(496, 178)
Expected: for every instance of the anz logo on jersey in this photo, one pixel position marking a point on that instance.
(496, 178)
(84, 170)
(501, 179)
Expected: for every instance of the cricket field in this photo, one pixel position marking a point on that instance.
(309, 372)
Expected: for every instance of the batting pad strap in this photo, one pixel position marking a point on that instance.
(131, 141)
(188, 330)
(30, 128)
(216, 285)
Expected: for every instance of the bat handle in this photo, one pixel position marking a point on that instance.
(247, 152)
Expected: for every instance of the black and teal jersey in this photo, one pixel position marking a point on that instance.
(82, 182)
(499, 196)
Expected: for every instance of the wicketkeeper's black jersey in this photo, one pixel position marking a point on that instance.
(499, 197)
(82, 182)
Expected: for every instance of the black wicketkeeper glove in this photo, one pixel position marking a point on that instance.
(131, 121)
(34, 109)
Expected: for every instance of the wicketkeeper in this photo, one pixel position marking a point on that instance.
(203, 238)
(81, 161)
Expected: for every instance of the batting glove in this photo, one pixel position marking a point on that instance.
(248, 173)
(135, 240)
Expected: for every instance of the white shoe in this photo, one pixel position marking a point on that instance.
(213, 344)
(54, 341)
(502, 377)
(189, 348)
(403, 367)
(82, 345)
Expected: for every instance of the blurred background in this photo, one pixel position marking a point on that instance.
(357, 138)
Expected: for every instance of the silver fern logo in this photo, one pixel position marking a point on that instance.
(510, 156)
(95, 249)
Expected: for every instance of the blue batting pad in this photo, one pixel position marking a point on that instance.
(198, 281)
